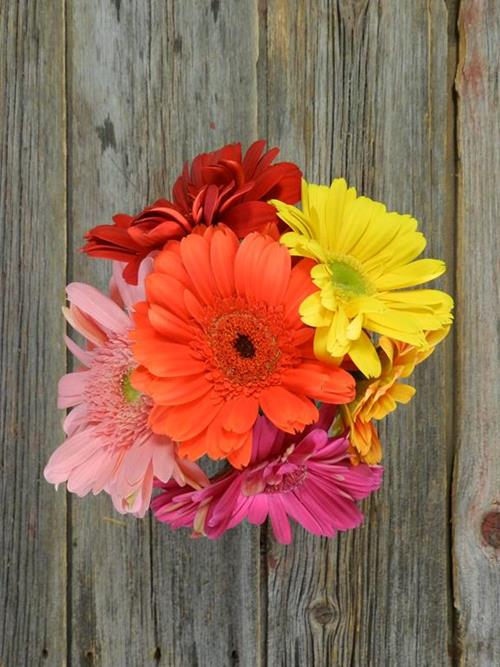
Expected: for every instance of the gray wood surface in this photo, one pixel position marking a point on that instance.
(476, 497)
(101, 102)
(33, 572)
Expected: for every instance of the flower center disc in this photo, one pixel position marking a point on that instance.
(289, 481)
(118, 411)
(348, 277)
(244, 347)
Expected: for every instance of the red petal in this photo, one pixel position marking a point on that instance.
(249, 217)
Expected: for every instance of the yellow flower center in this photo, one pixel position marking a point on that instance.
(348, 277)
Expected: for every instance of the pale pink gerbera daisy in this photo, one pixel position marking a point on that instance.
(308, 477)
(109, 445)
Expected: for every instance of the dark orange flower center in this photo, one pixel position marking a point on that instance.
(244, 345)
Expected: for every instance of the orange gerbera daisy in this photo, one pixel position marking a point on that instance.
(377, 398)
(220, 337)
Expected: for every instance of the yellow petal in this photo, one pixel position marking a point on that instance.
(364, 355)
(337, 342)
(320, 345)
(312, 312)
(353, 331)
(402, 393)
(415, 273)
(293, 217)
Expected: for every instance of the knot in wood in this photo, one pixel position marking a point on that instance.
(490, 529)
(323, 613)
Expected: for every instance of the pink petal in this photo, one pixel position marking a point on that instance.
(84, 325)
(132, 469)
(127, 294)
(76, 418)
(101, 308)
(71, 389)
(164, 460)
(190, 473)
(266, 439)
(77, 449)
(82, 355)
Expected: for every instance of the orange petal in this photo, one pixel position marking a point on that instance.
(223, 247)
(299, 287)
(168, 324)
(287, 411)
(241, 457)
(177, 391)
(195, 253)
(268, 281)
(240, 415)
(170, 263)
(183, 422)
(167, 292)
(167, 359)
(323, 383)
(194, 448)
(245, 262)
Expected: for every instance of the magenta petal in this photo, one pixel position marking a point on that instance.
(312, 518)
(279, 520)
(257, 509)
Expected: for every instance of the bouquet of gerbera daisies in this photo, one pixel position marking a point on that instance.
(242, 328)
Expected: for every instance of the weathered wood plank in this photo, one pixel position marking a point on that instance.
(362, 90)
(476, 507)
(32, 356)
(152, 84)
(207, 595)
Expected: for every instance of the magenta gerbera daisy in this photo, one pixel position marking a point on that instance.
(307, 477)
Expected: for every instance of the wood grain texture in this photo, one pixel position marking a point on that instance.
(32, 356)
(363, 91)
(476, 511)
(207, 594)
(109, 98)
(151, 85)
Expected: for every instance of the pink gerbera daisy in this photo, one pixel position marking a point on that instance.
(308, 477)
(109, 445)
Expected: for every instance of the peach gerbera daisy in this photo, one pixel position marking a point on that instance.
(220, 337)
(377, 398)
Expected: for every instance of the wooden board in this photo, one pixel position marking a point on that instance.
(476, 503)
(104, 100)
(151, 87)
(363, 92)
(32, 355)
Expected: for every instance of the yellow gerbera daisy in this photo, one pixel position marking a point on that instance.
(363, 254)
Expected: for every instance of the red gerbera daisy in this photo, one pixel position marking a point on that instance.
(220, 337)
(221, 186)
